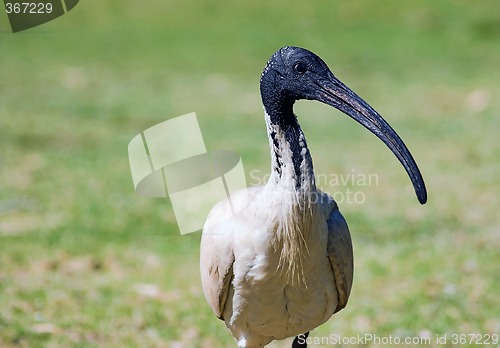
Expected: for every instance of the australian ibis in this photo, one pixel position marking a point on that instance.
(283, 264)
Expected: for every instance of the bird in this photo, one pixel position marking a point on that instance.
(281, 264)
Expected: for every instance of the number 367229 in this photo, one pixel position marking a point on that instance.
(28, 7)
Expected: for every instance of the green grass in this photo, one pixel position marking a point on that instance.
(86, 262)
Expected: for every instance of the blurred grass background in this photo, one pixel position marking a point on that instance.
(85, 262)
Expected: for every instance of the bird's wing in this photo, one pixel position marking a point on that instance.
(216, 261)
(340, 254)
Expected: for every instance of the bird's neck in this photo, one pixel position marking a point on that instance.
(291, 165)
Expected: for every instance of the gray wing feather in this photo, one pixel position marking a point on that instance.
(216, 266)
(340, 255)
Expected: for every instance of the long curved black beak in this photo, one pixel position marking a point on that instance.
(333, 92)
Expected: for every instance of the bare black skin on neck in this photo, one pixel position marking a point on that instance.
(279, 106)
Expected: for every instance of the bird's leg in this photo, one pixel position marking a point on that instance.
(300, 341)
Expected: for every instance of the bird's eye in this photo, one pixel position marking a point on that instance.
(300, 67)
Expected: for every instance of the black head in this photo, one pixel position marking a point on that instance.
(294, 73)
